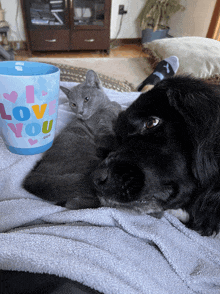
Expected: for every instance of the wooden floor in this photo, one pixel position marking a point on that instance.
(126, 51)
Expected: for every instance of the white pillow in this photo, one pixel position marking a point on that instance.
(198, 56)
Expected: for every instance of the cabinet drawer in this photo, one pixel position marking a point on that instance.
(90, 40)
(49, 40)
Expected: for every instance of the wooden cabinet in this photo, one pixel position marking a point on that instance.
(53, 25)
(91, 40)
(49, 40)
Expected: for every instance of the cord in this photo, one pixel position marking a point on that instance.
(120, 25)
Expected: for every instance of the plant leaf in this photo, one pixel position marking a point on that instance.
(158, 12)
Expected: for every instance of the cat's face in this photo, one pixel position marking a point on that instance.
(86, 98)
(84, 101)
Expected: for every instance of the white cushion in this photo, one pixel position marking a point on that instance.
(198, 56)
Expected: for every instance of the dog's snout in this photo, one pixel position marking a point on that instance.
(100, 176)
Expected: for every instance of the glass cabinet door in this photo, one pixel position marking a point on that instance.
(47, 12)
(89, 12)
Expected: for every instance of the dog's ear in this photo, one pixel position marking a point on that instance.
(199, 104)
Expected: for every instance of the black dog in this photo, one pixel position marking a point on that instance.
(168, 155)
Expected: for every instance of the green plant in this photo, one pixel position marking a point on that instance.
(156, 13)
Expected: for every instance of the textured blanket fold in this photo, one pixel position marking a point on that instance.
(110, 250)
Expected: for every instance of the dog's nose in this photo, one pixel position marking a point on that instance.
(100, 176)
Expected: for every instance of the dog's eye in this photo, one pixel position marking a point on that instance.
(152, 122)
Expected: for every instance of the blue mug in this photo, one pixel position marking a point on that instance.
(29, 94)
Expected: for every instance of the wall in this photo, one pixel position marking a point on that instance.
(194, 21)
(13, 16)
(129, 27)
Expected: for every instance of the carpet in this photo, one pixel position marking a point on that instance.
(131, 70)
(76, 74)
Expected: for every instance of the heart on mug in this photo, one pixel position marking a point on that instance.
(11, 97)
(32, 142)
(44, 93)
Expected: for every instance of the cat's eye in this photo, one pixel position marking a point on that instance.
(152, 122)
(86, 99)
(73, 104)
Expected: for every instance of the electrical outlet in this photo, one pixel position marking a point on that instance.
(121, 9)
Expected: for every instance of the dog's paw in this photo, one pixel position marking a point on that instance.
(204, 217)
(205, 226)
(181, 214)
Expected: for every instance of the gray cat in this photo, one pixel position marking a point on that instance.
(62, 175)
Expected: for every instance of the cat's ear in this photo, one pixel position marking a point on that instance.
(92, 79)
(65, 90)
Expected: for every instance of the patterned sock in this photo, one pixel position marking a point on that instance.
(165, 68)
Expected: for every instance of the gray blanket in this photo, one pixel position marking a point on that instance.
(110, 250)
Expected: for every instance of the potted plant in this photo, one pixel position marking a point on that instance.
(154, 17)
